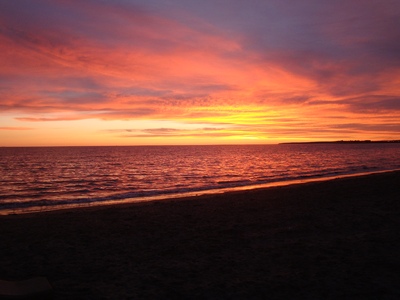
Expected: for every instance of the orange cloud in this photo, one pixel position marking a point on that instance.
(271, 71)
(16, 128)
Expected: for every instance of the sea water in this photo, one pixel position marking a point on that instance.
(48, 178)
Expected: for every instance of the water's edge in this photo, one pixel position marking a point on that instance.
(79, 204)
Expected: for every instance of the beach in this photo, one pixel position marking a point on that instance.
(335, 239)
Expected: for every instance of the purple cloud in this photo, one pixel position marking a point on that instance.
(220, 61)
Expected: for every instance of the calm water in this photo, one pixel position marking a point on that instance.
(56, 177)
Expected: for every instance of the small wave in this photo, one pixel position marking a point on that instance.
(72, 177)
(234, 182)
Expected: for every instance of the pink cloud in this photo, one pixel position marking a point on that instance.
(308, 61)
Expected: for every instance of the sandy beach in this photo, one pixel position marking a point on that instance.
(336, 239)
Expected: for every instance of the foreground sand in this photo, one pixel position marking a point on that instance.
(338, 239)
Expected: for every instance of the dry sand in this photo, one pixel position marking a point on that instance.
(337, 239)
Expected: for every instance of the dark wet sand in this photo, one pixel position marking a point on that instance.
(337, 239)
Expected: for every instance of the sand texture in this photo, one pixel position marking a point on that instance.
(338, 239)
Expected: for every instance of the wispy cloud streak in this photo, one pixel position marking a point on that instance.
(253, 64)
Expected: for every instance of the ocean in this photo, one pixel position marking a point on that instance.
(36, 179)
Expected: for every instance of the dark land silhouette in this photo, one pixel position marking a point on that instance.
(348, 142)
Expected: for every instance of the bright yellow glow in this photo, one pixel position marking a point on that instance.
(137, 77)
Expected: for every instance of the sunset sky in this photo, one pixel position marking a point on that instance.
(145, 72)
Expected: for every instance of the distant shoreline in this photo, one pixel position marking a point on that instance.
(346, 142)
(201, 145)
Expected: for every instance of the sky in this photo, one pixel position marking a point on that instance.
(162, 72)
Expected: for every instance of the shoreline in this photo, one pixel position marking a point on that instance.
(183, 195)
(335, 239)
